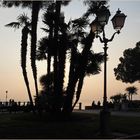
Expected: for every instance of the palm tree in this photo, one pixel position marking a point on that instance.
(46, 80)
(58, 54)
(117, 98)
(131, 91)
(93, 67)
(24, 22)
(36, 6)
(48, 20)
(55, 64)
(79, 72)
(35, 12)
(76, 34)
(93, 6)
(63, 46)
(83, 65)
(46, 44)
(55, 44)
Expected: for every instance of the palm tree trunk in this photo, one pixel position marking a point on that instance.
(79, 89)
(131, 96)
(67, 108)
(71, 83)
(84, 61)
(61, 65)
(77, 74)
(57, 96)
(48, 64)
(48, 89)
(25, 32)
(49, 56)
(35, 12)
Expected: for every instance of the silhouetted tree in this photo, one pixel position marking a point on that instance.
(94, 6)
(117, 98)
(78, 72)
(44, 81)
(63, 46)
(129, 68)
(47, 81)
(131, 91)
(92, 68)
(55, 45)
(46, 44)
(35, 6)
(25, 23)
(48, 20)
(71, 34)
(91, 60)
(35, 12)
(76, 34)
(59, 38)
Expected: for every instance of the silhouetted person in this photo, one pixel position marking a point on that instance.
(99, 103)
(93, 103)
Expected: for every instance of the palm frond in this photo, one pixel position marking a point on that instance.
(26, 4)
(66, 2)
(40, 55)
(80, 23)
(48, 18)
(15, 25)
(93, 6)
(94, 63)
(45, 30)
(23, 18)
(10, 4)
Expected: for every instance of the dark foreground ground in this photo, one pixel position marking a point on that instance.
(80, 125)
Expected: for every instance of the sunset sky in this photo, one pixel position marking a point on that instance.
(11, 78)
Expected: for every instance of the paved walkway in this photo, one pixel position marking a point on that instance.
(114, 113)
(117, 113)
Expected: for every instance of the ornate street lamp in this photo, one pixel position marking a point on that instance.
(97, 26)
(118, 20)
(103, 15)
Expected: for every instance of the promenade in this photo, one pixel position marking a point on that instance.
(113, 113)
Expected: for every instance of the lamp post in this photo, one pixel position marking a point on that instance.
(98, 26)
(6, 95)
